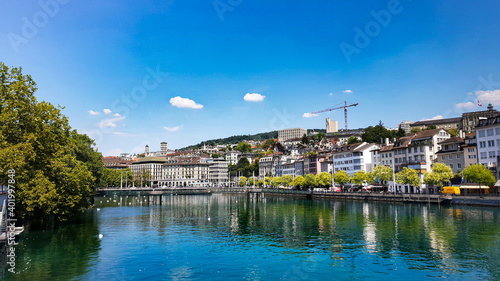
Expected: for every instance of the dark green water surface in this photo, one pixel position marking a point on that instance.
(234, 237)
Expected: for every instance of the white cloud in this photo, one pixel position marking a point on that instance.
(122, 134)
(107, 111)
(465, 105)
(347, 91)
(173, 129)
(331, 94)
(254, 97)
(437, 117)
(184, 103)
(309, 115)
(91, 112)
(110, 122)
(486, 97)
(117, 115)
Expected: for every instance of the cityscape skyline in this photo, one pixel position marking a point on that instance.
(131, 74)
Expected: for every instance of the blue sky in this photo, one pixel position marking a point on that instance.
(131, 73)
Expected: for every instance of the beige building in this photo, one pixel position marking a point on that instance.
(471, 119)
(470, 150)
(148, 169)
(446, 123)
(452, 154)
(332, 126)
(286, 134)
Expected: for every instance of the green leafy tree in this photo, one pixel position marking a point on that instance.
(260, 182)
(243, 147)
(287, 180)
(299, 182)
(353, 140)
(277, 181)
(383, 173)
(341, 177)
(305, 140)
(480, 174)
(250, 181)
(269, 144)
(243, 181)
(56, 170)
(453, 132)
(324, 179)
(440, 173)
(359, 177)
(408, 176)
(310, 181)
(267, 181)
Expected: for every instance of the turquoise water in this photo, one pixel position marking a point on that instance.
(232, 237)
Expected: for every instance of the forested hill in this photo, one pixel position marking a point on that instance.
(236, 139)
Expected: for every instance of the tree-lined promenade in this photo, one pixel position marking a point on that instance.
(440, 176)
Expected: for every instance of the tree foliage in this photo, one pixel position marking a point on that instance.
(56, 170)
(383, 173)
(324, 179)
(408, 176)
(310, 181)
(379, 132)
(243, 147)
(341, 177)
(440, 173)
(243, 181)
(359, 177)
(299, 182)
(480, 174)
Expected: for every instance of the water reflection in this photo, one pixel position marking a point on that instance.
(258, 237)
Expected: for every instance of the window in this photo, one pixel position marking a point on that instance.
(451, 166)
(470, 150)
(421, 149)
(491, 154)
(472, 156)
(446, 147)
(442, 157)
(482, 144)
(483, 155)
(491, 143)
(450, 156)
(459, 156)
(459, 166)
(497, 131)
(409, 159)
(480, 133)
(489, 132)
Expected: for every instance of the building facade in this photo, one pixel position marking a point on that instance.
(488, 143)
(452, 154)
(287, 134)
(354, 158)
(470, 120)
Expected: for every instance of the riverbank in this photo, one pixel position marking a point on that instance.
(485, 200)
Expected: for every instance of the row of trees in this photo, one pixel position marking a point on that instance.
(439, 175)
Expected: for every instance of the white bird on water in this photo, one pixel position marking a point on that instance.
(100, 236)
(98, 209)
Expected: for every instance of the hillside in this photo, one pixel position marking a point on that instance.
(236, 139)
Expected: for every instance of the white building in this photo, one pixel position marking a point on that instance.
(233, 157)
(185, 172)
(488, 143)
(219, 172)
(286, 134)
(148, 169)
(355, 157)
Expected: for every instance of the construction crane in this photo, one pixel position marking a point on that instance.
(334, 108)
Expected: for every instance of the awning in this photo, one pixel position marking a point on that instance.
(497, 183)
(474, 186)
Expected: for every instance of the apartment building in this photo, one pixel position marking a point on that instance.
(470, 150)
(452, 154)
(185, 171)
(488, 143)
(354, 158)
(148, 169)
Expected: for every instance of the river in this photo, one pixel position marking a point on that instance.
(234, 237)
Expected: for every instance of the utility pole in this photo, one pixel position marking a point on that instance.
(121, 180)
